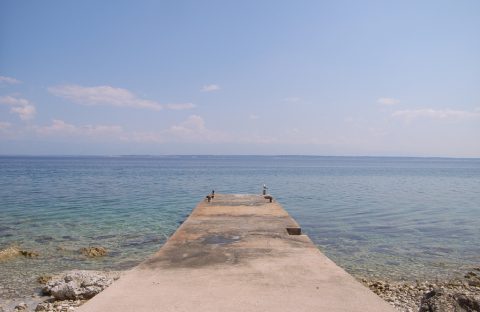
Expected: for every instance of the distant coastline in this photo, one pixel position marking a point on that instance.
(238, 155)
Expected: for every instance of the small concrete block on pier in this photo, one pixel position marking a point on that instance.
(237, 253)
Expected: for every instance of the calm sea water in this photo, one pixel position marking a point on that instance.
(396, 218)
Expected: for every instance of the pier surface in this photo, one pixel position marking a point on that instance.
(236, 254)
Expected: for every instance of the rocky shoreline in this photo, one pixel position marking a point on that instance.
(64, 292)
(461, 294)
(67, 291)
(61, 292)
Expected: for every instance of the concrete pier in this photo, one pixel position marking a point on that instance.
(237, 253)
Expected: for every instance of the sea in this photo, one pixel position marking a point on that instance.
(377, 217)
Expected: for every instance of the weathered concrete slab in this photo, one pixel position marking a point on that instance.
(235, 254)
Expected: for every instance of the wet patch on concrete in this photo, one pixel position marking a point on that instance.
(188, 256)
(206, 255)
(220, 239)
(228, 204)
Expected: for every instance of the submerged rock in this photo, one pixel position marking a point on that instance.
(9, 252)
(14, 251)
(79, 285)
(93, 252)
(29, 254)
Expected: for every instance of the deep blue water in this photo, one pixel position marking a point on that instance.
(400, 218)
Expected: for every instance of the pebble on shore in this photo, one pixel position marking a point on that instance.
(93, 251)
(59, 306)
(460, 294)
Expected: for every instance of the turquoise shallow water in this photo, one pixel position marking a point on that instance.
(396, 218)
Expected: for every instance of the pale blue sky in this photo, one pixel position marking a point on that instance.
(398, 78)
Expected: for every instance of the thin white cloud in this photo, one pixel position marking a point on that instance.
(192, 125)
(57, 126)
(4, 125)
(388, 101)
(22, 107)
(377, 132)
(103, 95)
(210, 88)
(63, 128)
(191, 130)
(180, 106)
(411, 114)
(257, 139)
(26, 112)
(144, 137)
(14, 101)
(292, 99)
(8, 80)
(253, 117)
(291, 136)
